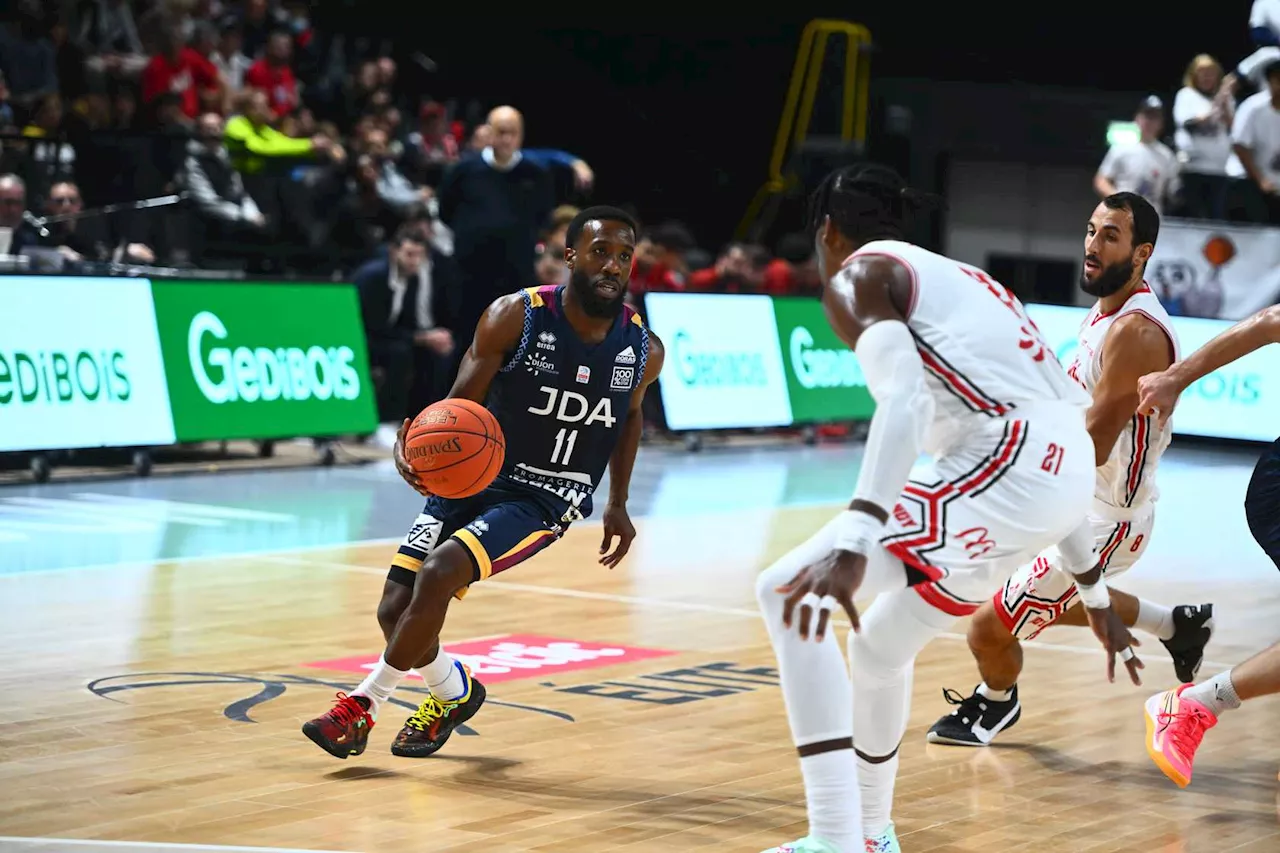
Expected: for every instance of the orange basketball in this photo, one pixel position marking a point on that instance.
(456, 447)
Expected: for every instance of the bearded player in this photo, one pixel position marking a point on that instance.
(1125, 335)
(1177, 719)
(564, 370)
(959, 372)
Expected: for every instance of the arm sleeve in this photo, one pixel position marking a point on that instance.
(904, 411)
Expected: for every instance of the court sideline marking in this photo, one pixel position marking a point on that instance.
(38, 843)
(670, 604)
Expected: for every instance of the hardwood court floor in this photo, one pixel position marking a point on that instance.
(161, 702)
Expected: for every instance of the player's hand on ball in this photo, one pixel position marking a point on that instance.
(616, 524)
(402, 465)
(820, 586)
(1116, 639)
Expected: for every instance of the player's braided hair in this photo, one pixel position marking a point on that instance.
(867, 200)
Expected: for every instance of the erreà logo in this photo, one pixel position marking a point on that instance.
(822, 368)
(254, 374)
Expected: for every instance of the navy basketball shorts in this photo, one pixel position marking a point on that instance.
(1262, 502)
(497, 528)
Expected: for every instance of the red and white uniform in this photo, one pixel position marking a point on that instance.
(1123, 509)
(1011, 467)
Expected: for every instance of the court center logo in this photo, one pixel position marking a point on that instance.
(251, 374)
(259, 688)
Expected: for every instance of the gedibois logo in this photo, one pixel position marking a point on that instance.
(240, 371)
(44, 377)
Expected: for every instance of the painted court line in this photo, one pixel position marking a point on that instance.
(13, 842)
(683, 605)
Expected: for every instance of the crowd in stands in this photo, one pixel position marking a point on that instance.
(1224, 163)
(298, 151)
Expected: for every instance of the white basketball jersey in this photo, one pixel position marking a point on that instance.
(983, 356)
(1128, 477)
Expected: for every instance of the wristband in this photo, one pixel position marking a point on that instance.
(856, 531)
(1095, 597)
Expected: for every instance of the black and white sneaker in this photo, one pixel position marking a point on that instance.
(976, 720)
(1192, 630)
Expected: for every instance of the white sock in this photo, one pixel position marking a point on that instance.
(876, 782)
(1155, 619)
(444, 676)
(1218, 694)
(831, 793)
(995, 695)
(379, 684)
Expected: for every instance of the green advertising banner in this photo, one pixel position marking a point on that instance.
(263, 360)
(824, 379)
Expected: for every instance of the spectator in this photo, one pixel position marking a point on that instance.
(497, 204)
(229, 59)
(273, 75)
(795, 271)
(88, 239)
(1146, 167)
(49, 157)
(27, 58)
(224, 210)
(254, 144)
(13, 207)
(6, 109)
(661, 261)
(431, 148)
(365, 221)
(1256, 139)
(739, 269)
(108, 35)
(1202, 113)
(408, 301)
(257, 21)
(394, 188)
(182, 71)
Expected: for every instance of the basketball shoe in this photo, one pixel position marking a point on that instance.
(344, 730)
(885, 842)
(976, 720)
(1175, 727)
(808, 844)
(1192, 630)
(430, 726)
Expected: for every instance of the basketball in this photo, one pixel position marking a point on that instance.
(456, 447)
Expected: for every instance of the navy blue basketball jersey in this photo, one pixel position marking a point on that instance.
(562, 403)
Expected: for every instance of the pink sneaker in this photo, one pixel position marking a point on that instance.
(1175, 727)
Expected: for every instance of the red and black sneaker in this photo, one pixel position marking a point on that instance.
(430, 726)
(345, 729)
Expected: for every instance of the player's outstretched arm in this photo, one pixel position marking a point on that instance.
(1159, 391)
(866, 304)
(617, 522)
(1135, 346)
(497, 336)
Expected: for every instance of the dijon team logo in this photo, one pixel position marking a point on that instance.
(253, 374)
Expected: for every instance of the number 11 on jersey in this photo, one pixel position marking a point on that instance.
(565, 440)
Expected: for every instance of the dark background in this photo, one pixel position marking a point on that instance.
(678, 116)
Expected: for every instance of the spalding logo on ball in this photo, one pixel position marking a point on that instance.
(456, 448)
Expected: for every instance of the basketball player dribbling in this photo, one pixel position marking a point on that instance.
(1126, 334)
(958, 371)
(1177, 719)
(564, 369)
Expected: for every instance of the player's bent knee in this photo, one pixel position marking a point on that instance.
(987, 632)
(395, 598)
(767, 583)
